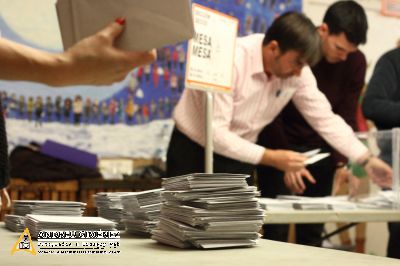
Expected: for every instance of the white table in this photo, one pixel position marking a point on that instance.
(143, 252)
(327, 216)
(352, 217)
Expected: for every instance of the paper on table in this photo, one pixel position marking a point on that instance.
(149, 24)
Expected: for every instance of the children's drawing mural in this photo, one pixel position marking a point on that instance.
(145, 99)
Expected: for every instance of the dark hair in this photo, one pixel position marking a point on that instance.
(294, 31)
(347, 17)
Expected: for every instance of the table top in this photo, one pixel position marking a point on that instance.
(143, 251)
(325, 216)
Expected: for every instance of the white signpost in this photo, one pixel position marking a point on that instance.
(210, 62)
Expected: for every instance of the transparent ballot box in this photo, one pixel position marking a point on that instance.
(385, 144)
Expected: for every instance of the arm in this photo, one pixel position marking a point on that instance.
(233, 146)
(379, 103)
(93, 60)
(317, 111)
(347, 106)
(230, 144)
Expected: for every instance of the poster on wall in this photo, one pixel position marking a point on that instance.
(391, 8)
(130, 118)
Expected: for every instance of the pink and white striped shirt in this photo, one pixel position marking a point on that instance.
(255, 101)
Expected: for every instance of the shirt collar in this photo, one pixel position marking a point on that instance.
(258, 66)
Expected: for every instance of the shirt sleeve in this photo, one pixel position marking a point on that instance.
(226, 142)
(317, 111)
(380, 103)
(347, 106)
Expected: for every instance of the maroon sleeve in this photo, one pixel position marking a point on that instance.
(351, 91)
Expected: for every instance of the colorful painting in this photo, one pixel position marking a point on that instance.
(148, 93)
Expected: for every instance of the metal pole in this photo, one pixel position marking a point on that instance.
(209, 148)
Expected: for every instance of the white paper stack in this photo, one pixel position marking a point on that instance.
(209, 211)
(142, 211)
(149, 24)
(36, 223)
(47, 207)
(383, 200)
(109, 206)
(15, 223)
(292, 202)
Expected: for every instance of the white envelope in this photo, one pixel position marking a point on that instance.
(149, 23)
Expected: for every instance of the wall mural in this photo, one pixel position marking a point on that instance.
(148, 94)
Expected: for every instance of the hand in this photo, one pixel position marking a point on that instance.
(284, 160)
(294, 180)
(342, 176)
(4, 193)
(380, 172)
(94, 60)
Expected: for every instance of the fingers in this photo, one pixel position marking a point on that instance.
(114, 29)
(285, 160)
(296, 161)
(142, 58)
(354, 184)
(294, 181)
(305, 173)
(380, 172)
(336, 187)
(299, 183)
(7, 197)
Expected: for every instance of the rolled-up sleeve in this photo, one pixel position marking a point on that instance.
(316, 109)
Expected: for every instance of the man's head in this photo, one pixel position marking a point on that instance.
(344, 27)
(290, 43)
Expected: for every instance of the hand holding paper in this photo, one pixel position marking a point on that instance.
(96, 61)
(149, 24)
(284, 160)
(314, 156)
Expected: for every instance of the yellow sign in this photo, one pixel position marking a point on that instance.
(24, 243)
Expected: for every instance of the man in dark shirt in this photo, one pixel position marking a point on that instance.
(382, 105)
(340, 76)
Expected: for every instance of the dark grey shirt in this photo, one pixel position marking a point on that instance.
(382, 99)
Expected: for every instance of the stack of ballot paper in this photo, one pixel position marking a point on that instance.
(383, 200)
(209, 211)
(291, 202)
(47, 207)
(37, 223)
(109, 206)
(20, 208)
(15, 223)
(141, 211)
(149, 23)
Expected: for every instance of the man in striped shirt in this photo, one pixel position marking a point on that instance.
(269, 70)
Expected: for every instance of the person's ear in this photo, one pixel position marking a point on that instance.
(323, 30)
(274, 47)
